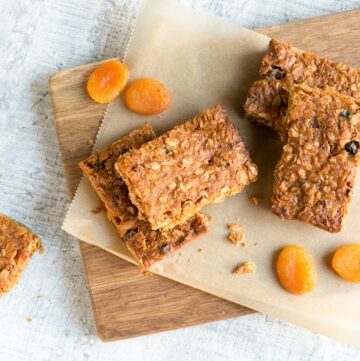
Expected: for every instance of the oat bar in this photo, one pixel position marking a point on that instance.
(145, 245)
(149, 246)
(315, 175)
(282, 61)
(281, 68)
(17, 245)
(194, 164)
(99, 170)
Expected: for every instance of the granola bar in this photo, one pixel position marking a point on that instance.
(99, 170)
(194, 164)
(281, 68)
(282, 61)
(17, 245)
(315, 175)
(149, 246)
(145, 245)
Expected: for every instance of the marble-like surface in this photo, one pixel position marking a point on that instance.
(38, 38)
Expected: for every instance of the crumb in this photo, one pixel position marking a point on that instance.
(244, 268)
(39, 296)
(91, 141)
(255, 199)
(29, 319)
(255, 244)
(98, 209)
(189, 260)
(148, 274)
(200, 249)
(237, 239)
(180, 254)
(235, 228)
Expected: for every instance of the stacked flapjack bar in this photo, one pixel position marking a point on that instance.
(314, 105)
(153, 188)
(17, 245)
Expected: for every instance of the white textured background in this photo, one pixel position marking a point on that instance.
(38, 38)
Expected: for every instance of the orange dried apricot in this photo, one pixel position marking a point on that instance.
(346, 262)
(107, 81)
(296, 269)
(147, 96)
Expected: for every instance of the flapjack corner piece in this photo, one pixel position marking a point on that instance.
(196, 163)
(17, 245)
(315, 175)
(145, 245)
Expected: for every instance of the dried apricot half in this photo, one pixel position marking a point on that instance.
(346, 262)
(107, 81)
(296, 269)
(147, 96)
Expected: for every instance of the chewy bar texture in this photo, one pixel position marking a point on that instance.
(149, 246)
(315, 175)
(145, 245)
(284, 66)
(99, 170)
(266, 102)
(194, 164)
(282, 61)
(17, 245)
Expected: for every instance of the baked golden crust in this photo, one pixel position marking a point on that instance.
(194, 164)
(315, 175)
(98, 168)
(282, 61)
(17, 245)
(266, 102)
(284, 66)
(145, 245)
(149, 246)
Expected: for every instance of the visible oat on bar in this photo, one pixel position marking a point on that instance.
(17, 245)
(99, 170)
(145, 245)
(315, 175)
(284, 66)
(194, 164)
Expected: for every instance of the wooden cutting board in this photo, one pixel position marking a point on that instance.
(126, 303)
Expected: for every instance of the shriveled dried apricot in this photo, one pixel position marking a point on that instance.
(147, 96)
(346, 262)
(296, 269)
(107, 81)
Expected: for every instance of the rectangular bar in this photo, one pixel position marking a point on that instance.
(284, 66)
(145, 245)
(314, 178)
(194, 164)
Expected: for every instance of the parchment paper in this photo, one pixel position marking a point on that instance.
(204, 61)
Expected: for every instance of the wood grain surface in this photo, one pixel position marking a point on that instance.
(126, 303)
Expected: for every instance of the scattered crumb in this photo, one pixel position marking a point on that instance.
(180, 254)
(98, 209)
(29, 319)
(244, 268)
(255, 244)
(91, 141)
(235, 228)
(200, 249)
(237, 239)
(189, 260)
(39, 296)
(256, 199)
